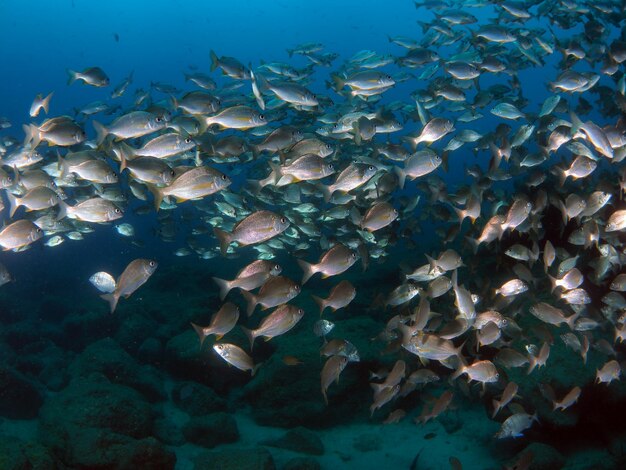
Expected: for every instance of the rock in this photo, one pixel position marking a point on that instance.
(451, 422)
(196, 399)
(211, 430)
(150, 454)
(19, 399)
(256, 458)
(302, 463)
(83, 328)
(617, 446)
(368, 442)
(109, 359)
(20, 455)
(167, 432)
(273, 404)
(150, 351)
(94, 402)
(101, 449)
(184, 358)
(133, 331)
(595, 459)
(298, 440)
(544, 457)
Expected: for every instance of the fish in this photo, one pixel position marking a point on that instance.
(510, 392)
(275, 291)
(331, 371)
(335, 261)
(40, 103)
(132, 278)
(195, 183)
(568, 400)
(93, 76)
(340, 296)
(515, 425)
(222, 321)
(277, 323)
(96, 209)
(250, 277)
(19, 235)
(128, 126)
(103, 281)
(237, 357)
(258, 227)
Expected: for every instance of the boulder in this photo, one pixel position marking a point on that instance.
(94, 402)
(109, 359)
(19, 398)
(196, 399)
(302, 463)
(211, 430)
(256, 458)
(300, 440)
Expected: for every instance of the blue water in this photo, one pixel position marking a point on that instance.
(50, 315)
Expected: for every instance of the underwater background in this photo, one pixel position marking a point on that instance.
(82, 387)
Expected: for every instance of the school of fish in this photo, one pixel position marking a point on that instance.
(339, 178)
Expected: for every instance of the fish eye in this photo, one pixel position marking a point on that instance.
(159, 119)
(297, 288)
(188, 140)
(330, 166)
(152, 264)
(38, 230)
(328, 147)
(277, 267)
(395, 211)
(370, 168)
(224, 177)
(262, 117)
(172, 172)
(283, 220)
(301, 311)
(118, 211)
(353, 255)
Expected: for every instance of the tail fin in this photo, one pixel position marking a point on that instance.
(200, 332)
(214, 60)
(444, 160)
(157, 193)
(112, 299)
(224, 285)
(32, 135)
(101, 132)
(224, 239)
(308, 268)
(252, 301)
(13, 203)
(432, 262)
(63, 166)
(337, 81)
(321, 303)
(474, 243)
(571, 320)
(62, 210)
(250, 335)
(72, 76)
(576, 123)
(277, 171)
(326, 191)
(496, 408)
(45, 104)
(401, 174)
(457, 373)
(553, 282)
